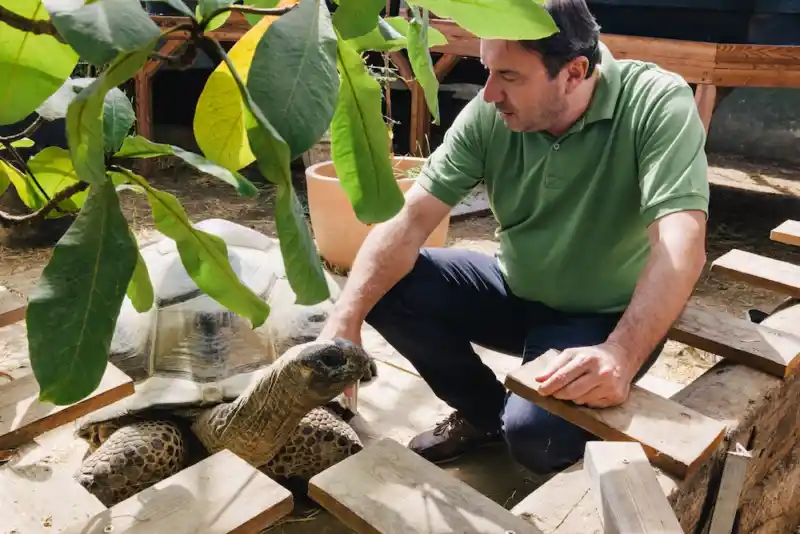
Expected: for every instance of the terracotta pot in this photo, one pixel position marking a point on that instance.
(337, 231)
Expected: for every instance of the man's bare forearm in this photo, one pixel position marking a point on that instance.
(388, 253)
(664, 288)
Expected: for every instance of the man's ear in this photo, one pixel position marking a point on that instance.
(576, 71)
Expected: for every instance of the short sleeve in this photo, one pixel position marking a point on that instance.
(673, 169)
(456, 166)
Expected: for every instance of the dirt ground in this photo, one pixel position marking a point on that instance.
(748, 200)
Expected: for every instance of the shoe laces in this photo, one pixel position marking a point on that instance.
(451, 422)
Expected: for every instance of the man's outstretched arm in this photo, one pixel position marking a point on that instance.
(601, 376)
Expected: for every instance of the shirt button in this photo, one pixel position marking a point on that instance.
(556, 146)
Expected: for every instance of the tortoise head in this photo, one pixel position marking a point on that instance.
(325, 368)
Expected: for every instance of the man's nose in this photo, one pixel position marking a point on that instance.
(491, 93)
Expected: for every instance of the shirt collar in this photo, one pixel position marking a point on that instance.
(606, 94)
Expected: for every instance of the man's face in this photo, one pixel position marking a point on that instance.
(520, 87)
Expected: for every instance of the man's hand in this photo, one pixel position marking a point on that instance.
(341, 328)
(598, 376)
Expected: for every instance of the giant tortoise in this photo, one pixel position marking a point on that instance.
(205, 380)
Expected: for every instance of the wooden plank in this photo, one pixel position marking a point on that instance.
(730, 490)
(767, 349)
(23, 416)
(219, 495)
(12, 307)
(626, 491)
(386, 488)
(787, 232)
(761, 271)
(675, 438)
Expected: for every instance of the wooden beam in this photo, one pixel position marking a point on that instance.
(773, 351)
(12, 307)
(386, 488)
(761, 271)
(675, 438)
(787, 232)
(23, 416)
(730, 490)
(220, 494)
(628, 496)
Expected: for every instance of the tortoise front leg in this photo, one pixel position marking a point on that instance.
(132, 459)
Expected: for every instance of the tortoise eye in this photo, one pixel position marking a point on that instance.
(333, 357)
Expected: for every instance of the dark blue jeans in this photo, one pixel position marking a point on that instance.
(453, 297)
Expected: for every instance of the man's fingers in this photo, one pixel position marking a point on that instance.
(582, 386)
(563, 376)
(558, 362)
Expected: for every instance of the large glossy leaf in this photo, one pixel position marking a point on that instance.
(26, 190)
(100, 30)
(7, 172)
(118, 118)
(359, 143)
(140, 147)
(54, 171)
(490, 19)
(219, 115)
(72, 311)
(293, 78)
(32, 67)
(390, 36)
(354, 18)
(420, 58)
(85, 115)
(181, 7)
(204, 255)
(301, 258)
(140, 287)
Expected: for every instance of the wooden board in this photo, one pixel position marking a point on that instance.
(219, 495)
(726, 504)
(787, 232)
(675, 438)
(761, 271)
(757, 346)
(23, 416)
(626, 491)
(12, 307)
(386, 488)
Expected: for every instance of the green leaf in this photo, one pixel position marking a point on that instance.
(27, 191)
(207, 7)
(204, 256)
(118, 118)
(181, 7)
(32, 67)
(54, 171)
(6, 171)
(140, 287)
(490, 19)
(293, 77)
(420, 58)
(359, 143)
(85, 115)
(101, 30)
(354, 18)
(22, 143)
(265, 4)
(303, 265)
(73, 309)
(140, 147)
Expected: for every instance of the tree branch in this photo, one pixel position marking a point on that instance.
(27, 132)
(270, 11)
(37, 27)
(7, 219)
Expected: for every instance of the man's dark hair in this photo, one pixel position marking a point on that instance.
(578, 35)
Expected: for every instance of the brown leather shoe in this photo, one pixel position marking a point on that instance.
(451, 438)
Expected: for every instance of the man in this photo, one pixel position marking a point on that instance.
(596, 173)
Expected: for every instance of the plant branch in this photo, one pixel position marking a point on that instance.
(7, 219)
(270, 11)
(27, 132)
(37, 27)
(13, 151)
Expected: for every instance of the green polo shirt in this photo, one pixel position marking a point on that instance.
(573, 210)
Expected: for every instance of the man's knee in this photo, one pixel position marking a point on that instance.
(540, 441)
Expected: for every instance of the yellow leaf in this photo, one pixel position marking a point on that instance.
(219, 126)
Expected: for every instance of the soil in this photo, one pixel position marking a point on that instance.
(748, 200)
